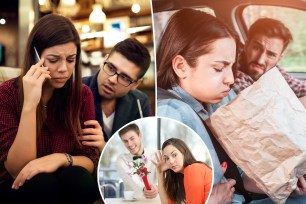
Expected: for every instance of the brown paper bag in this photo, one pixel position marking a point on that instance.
(264, 132)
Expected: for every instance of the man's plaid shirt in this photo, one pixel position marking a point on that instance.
(243, 81)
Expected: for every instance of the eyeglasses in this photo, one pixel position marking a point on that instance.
(121, 79)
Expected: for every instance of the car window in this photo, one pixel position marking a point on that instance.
(161, 19)
(295, 55)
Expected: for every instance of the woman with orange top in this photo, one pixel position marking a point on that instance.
(181, 178)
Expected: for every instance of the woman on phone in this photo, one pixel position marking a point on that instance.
(181, 178)
(43, 112)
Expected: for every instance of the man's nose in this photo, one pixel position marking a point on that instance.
(130, 143)
(261, 59)
(113, 78)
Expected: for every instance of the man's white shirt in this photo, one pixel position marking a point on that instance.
(134, 182)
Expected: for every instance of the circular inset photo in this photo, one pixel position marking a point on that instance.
(155, 160)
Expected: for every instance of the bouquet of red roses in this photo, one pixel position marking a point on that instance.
(138, 167)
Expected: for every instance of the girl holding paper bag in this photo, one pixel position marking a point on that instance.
(180, 177)
(194, 63)
(194, 69)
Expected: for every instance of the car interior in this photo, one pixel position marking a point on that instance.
(240, 14)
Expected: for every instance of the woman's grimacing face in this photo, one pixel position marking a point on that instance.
(60, 60)
(173, 158)
(209, 81)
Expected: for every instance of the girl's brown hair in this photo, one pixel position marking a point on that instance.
(49, 31)
(189, 33)
(174, 182)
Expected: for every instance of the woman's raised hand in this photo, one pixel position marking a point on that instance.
(160, 163)
(32, 84)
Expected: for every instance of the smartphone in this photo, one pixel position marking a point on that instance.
(37, 58)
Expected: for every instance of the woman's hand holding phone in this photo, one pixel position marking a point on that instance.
(33, 82)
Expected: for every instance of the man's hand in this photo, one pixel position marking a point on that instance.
(150, 193)
(93, 136)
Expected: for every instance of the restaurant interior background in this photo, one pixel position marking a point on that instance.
(100, 23)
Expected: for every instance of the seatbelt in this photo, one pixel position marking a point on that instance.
(232, 171)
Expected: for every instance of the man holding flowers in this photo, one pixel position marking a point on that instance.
(134, 167)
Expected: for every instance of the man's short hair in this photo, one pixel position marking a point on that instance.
(270, 28)
(135, 52)
(130, 127)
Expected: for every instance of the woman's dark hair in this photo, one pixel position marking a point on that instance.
(174, 182)
(189, 33)
(49, 31)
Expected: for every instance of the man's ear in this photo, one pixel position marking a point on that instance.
(136, 84)
(104, 60)
(140, 135)
(281, 57)
(180, 66)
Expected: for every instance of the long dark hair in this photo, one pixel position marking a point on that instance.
(174, 182)
(189, 33)
(52, 30)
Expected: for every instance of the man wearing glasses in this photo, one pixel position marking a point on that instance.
(114, 86)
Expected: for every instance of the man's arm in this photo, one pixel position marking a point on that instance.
(297, 86)
(132, 181)
(303, 100)
(242, 81)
